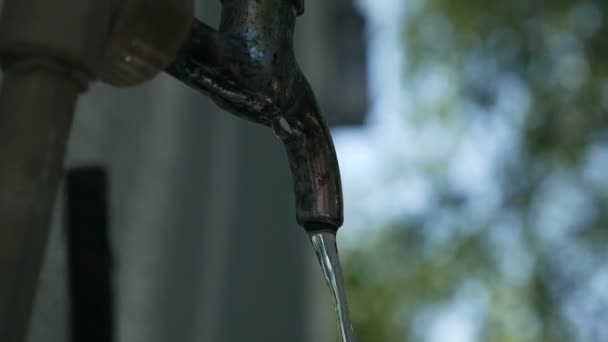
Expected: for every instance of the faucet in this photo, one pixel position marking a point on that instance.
(51, 51)
(248, 67)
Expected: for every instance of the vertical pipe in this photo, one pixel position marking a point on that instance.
(36, 109)
(89, 256)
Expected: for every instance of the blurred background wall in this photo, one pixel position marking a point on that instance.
(203, 229)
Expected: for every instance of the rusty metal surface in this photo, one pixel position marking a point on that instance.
(248, 68)
(36, 107)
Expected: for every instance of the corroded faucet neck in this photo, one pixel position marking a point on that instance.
(266, 26)
(248, 67)
(264, 6)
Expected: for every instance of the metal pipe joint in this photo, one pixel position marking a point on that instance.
(122, 42)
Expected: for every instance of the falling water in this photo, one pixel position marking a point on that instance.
(324, 244)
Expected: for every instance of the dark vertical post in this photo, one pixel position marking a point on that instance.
(89, 256)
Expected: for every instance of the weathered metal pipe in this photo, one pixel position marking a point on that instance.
(36, 107)
(49, 51)
(248, 67)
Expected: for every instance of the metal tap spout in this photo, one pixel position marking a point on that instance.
(248, 67)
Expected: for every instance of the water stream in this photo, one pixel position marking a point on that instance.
(324, 244)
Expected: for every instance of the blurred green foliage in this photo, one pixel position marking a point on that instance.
(554, 56)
